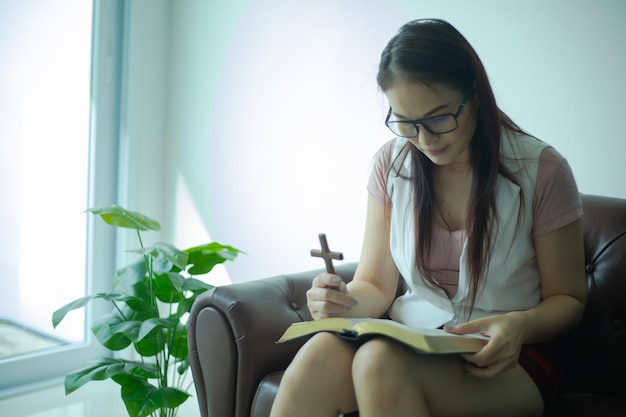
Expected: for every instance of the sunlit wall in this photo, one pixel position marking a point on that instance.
(273, 114)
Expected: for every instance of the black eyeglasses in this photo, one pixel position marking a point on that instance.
(438, 125)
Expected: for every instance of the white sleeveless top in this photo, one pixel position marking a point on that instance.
(511, 280)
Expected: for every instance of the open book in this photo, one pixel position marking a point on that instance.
(361, 329)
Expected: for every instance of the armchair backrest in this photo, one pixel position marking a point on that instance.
(593, 355)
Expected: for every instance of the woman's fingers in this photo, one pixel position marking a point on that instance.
(328, 296)
(327, 280)
(493, 359)
(493, 369)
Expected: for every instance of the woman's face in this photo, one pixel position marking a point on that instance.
(416, 100)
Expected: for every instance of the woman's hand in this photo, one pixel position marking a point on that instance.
(502, 351)
(328, 297)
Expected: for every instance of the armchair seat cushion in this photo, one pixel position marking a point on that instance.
(265, 394)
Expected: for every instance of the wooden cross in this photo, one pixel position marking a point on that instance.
(326, 254)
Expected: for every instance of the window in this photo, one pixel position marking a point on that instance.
(59, 106)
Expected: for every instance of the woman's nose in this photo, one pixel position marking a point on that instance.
(426, 138)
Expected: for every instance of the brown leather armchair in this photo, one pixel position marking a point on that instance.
(237, 365)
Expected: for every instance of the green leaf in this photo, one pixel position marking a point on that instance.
(130, 274)
(142, 398)
(107, 368)
(178, 346)
(58, 315)
(184, 306)
(138, 304)
(120, 217)
(183, 367)
(205, 257)
(169, 287)
(148, 326)
(104, 330)
(196, 286)
(137, 295)
(143, 300)
(130, 329)
(176, 280)
(165, 252)
(151, 344)
(173, 254)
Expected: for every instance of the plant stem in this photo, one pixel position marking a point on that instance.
(153, 304)
(119, 311)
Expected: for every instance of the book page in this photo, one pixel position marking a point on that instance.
(421, 330)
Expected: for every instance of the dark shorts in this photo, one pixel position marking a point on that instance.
(539, 361)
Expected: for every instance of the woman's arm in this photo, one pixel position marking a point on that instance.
(560, 257)
(373, 288)
(376, 278)
(561, 260)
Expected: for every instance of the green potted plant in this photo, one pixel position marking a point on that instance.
(149, 309)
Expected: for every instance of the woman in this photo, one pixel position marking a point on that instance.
(482, 221)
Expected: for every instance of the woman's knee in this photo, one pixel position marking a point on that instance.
(324, 348)
(379, 358)
(322, 356)
(320, 373)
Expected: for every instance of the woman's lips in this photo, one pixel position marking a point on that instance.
(436, 152)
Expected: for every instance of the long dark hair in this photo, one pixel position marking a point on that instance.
(433, 51)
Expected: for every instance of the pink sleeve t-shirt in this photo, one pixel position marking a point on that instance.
(556, 203)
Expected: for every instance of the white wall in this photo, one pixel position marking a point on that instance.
(273, 113)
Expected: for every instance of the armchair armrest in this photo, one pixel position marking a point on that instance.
(232, 337)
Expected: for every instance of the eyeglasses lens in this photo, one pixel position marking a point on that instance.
(437, 125)
(440, 124)
(404, 129)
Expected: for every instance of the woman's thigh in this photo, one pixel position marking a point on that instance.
(320, 374)
(443, 384)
